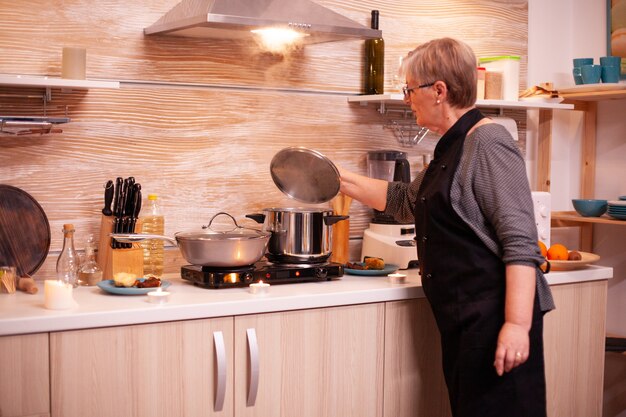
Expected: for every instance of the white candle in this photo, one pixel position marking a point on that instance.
(397, 278)
(159, 296)
(58, 295)
(259, 288)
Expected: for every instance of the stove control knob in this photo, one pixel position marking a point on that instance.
(247, 277)
(321, 272)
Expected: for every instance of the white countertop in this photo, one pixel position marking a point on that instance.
(22, 313)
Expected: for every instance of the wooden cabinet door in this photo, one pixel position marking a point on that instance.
(574, 335)
(414, 383)
(311, 363)
(163, 369)
(24, 375)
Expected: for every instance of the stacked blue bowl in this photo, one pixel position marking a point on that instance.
(617, 208)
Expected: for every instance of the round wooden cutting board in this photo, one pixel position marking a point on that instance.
(24, 231)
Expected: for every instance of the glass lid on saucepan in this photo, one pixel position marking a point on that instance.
(305, 175)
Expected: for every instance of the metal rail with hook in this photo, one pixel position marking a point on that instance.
(401, 122)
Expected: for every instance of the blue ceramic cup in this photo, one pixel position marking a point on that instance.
(610, 74)
(578, 77)
(591, 73)
(579, 62)
(611, 61)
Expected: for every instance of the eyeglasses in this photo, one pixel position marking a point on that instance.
(407, 91)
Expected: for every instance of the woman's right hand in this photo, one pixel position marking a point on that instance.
(369, 191)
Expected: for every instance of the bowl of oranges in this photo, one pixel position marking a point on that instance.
(563, 259)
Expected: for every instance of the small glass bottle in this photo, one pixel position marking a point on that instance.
(153, 222)
(67, 263)
(89, 272)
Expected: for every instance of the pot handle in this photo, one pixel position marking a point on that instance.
(257, 217)
(330, 220)
(139, 237)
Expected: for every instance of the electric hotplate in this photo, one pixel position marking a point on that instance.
(272, 273)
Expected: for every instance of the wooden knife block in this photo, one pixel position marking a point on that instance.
(112, 260)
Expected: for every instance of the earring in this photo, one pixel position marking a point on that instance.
(438, 101)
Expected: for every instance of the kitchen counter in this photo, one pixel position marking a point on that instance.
(22, 313)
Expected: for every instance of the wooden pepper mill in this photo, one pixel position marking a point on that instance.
(341, 230)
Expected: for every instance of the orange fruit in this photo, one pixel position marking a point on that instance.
(544, 249)
(558, 252)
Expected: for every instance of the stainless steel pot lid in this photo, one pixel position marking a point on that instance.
(217, 236)
(298, 210)
(236, 232)
(305, 175)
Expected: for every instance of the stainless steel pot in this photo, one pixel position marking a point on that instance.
(299, 235)
(239, 246)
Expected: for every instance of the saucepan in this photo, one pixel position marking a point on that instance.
(299, 235)
(239, 246)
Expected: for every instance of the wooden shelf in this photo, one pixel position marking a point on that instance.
(572, 216)
(398, 98)
(31, 81)
(600, 93)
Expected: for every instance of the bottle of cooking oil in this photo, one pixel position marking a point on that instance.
(89, 272)
(153, 222)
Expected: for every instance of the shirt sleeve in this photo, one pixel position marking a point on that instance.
(401, 199)
(500, 186)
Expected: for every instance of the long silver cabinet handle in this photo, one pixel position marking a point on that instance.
(253, 351)
(220, 356)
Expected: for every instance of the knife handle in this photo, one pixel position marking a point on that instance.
(108, 198)
(116, 200)
(114, 243)
(126, 229)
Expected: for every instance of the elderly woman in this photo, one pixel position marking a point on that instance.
(476, 239)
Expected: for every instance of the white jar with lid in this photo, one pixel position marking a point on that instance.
(508, 65)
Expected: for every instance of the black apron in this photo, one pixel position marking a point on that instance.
(465, 284)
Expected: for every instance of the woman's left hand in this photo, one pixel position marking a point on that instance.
(512, 348)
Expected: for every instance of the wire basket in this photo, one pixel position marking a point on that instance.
(406, 131)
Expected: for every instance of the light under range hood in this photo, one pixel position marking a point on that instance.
(234, 19)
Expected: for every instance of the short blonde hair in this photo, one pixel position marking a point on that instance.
(448, 60)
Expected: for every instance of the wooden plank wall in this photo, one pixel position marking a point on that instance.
(198, 120)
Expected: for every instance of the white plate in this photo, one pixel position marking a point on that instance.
(585, 88)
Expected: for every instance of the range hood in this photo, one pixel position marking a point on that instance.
(234, 19)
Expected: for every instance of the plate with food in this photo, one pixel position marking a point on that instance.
(137, 287)
(586, 259)
(370, 266)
